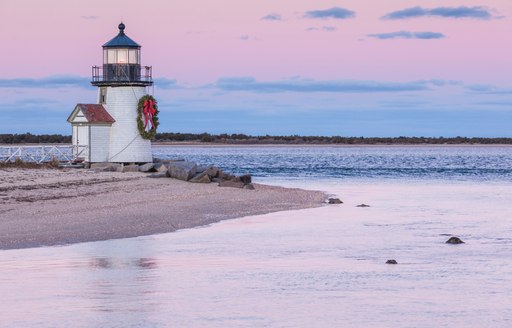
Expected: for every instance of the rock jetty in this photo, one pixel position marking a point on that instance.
(181, 170)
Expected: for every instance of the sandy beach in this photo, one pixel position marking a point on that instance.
(40, 207)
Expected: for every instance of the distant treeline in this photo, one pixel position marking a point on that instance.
(33, 138)
(296, 139)
(247, 139)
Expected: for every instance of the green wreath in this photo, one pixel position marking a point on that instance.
(141, 117)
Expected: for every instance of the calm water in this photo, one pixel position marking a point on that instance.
(423, 162)
(321, 267)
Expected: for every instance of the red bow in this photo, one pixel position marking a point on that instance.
(149, 111)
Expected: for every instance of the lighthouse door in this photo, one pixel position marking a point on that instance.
(82, 142)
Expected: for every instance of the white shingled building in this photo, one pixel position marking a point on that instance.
(107, 131)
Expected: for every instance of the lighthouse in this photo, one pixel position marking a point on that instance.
(119, 126)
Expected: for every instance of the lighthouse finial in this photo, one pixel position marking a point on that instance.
(121, 28)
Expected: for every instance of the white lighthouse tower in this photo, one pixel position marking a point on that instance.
(108, 131)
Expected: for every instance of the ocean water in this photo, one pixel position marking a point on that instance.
(322, 267)
(490, 163)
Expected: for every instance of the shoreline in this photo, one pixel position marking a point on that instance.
(213, 144)
(40, 207)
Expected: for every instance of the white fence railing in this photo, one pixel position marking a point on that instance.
(41, 154)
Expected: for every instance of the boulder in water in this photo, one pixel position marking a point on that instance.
(454, 241)
(391, 262)
(334, 201)
(362, 205)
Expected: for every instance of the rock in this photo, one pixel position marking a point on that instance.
(158, 175)
(334, 201)
(225, 176)
(363, 205)
(212, 171)
(107, 167)
(182, 170)
(99, 166)
(249, 186)
(159, 167)
(454, 241)
(391, 262)
(202, 168)
(217, 180)
(131, 168)
(146, 167)
(246, 178)
(231, 183)
(201, 178)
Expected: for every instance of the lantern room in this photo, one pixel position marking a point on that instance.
(121, 63)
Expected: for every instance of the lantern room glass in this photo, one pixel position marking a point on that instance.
(121, 56)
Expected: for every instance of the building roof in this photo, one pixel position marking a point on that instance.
(121, 40)
(94, 113)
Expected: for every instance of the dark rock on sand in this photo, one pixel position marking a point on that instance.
(362, 205)
(391, 262)
(107, 167)
(334, 201)
(182, 170)
(160, 167)
(246, 178)
(131, 168)
(249, 186)
(146, 167)
(201, 178)
(225, 176)
(212, 171)
(231, 183)
(454, 241)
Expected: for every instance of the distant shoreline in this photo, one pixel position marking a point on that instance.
(250, 145)
(214, 144)
(171, 138)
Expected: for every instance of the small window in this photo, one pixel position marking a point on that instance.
(103, 95)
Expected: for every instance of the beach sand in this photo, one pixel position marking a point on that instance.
(40, 207)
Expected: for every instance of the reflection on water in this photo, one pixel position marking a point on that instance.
(321, 267)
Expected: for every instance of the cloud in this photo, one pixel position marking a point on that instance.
(408, 35)
(445, 12)
(246, 37)
(89, 17)
(54, 81)
(165, 83)
(272, 17)
(250, 84)
(488, 89)
(70, 81)
(335, 12)
(323, 28)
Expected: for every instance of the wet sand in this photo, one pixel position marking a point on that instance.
(41, 207)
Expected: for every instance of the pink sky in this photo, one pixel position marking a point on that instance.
(197, 42)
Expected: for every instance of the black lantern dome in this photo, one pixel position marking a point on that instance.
(121, 63)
